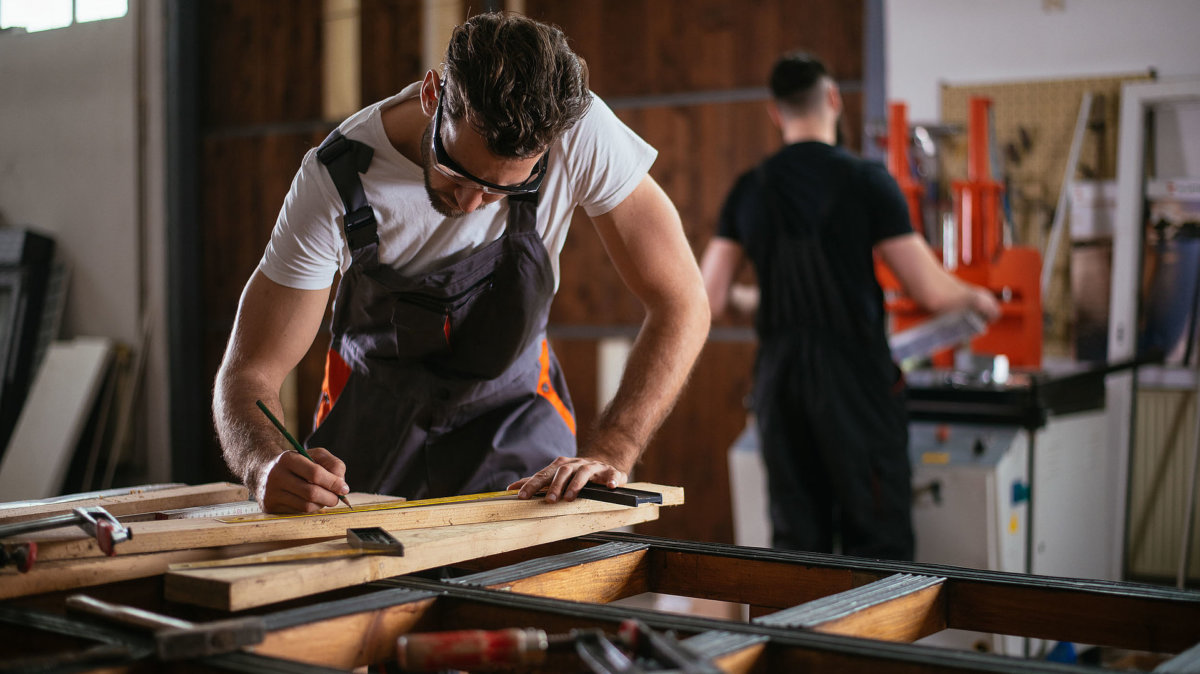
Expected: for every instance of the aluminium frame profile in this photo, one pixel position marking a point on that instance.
(570, 588)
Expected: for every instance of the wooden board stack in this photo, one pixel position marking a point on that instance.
(433, 536)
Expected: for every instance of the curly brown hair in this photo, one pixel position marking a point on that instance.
(515, 81)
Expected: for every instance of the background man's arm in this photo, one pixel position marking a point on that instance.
(927, 283)
(275, 326)
(722, 260)
(645, 241)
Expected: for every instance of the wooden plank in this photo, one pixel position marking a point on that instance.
(347, 641)
(743, 661)
(600, 582)
(602, 573)
(90, 571)
(136, 502)
(70, 543)
(902, 607)
(238, 588)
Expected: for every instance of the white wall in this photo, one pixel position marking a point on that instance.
(74, 164)
(68, 162)
(975, 41)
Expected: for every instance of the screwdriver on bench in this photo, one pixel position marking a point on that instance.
(295, 445)
(504, 649)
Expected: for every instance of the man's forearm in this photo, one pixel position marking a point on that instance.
(659, 363)
(249, 442)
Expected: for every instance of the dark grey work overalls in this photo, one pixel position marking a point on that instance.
(443, 383)
(830, 406)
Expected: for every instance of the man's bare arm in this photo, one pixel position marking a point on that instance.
(274, 328)
(722, 260)
(645, 241)
(927, 283)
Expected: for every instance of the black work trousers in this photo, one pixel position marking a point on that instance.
(834, 434)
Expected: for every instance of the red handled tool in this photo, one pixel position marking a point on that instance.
(482, 650)
(96, 521)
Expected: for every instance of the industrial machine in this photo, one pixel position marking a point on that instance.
(973, 249)
(1011, 471)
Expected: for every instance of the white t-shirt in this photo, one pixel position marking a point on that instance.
(596, 164)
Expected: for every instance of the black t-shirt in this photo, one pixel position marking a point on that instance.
(808, 218)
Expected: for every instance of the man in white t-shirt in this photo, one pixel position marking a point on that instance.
(444, 209)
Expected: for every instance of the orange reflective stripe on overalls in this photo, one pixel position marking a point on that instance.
(546, 388)
(336, 375)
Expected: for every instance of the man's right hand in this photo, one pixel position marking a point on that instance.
(296, 485)
(983, 301)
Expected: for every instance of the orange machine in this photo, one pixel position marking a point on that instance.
(978, 254)
(897, 163)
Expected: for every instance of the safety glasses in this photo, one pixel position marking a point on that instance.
(452, 170)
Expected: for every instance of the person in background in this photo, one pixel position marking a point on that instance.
(828, 399)
(444, 209)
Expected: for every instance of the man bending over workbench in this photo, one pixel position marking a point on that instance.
(444, 208)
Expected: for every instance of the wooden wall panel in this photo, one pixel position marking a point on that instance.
(654, 47)
(641, 53)
(261, 71)
(244, 181)
(702, 149)
(262, 61)
(691, 448)
(391, 47)
(590, 291)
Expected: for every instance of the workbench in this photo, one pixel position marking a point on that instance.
(808, 612)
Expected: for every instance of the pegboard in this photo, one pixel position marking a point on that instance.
(1033, 123)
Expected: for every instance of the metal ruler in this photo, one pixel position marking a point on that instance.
(233, 509)
(465, 498)
(620, 495)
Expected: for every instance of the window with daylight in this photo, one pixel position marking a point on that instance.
(31, 16)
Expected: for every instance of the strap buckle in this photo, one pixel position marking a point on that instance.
(360, 227)
(334, 148)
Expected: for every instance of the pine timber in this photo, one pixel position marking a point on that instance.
(159, 536)
(241, 587)
(359, 630)
(602, 574)
(68, 574)
(138, 502)
(902, 607)
(329, 646)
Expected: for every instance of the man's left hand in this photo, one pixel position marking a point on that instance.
(563, 478)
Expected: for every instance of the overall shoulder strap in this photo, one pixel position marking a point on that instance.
(522, 212)
(345, 159)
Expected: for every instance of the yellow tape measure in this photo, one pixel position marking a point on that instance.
(464, 498)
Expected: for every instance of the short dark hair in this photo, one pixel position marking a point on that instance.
(515, 81)
(795, 81)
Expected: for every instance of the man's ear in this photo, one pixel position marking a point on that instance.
(431, 90)
(773, 113)
(834, 99)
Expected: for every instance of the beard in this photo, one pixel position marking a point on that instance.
(438, 200)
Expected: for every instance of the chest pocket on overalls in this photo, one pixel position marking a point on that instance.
(428, 322)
